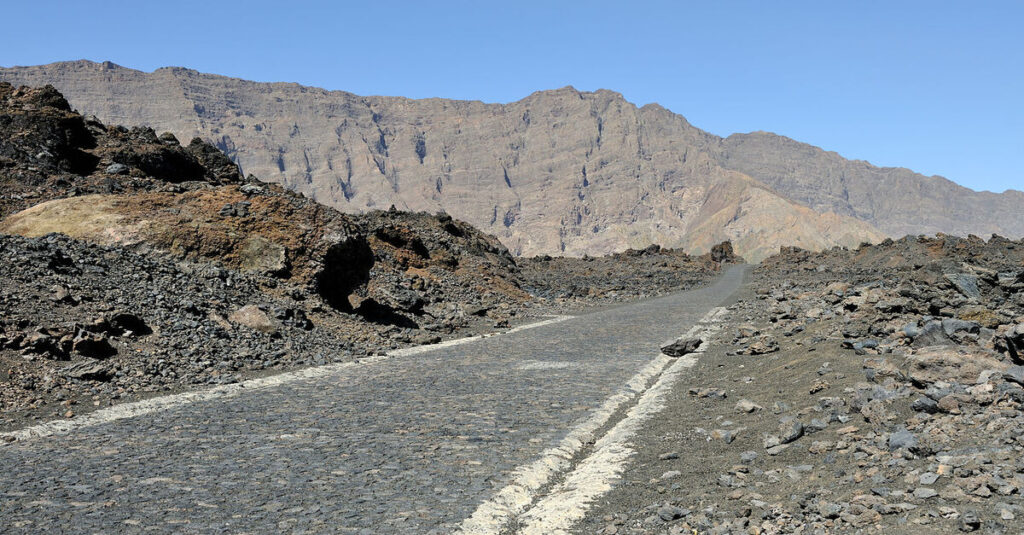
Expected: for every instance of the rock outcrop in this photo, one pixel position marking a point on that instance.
(560, 172)
(279, 235)
(49, 151)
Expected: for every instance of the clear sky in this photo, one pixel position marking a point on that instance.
(935, 86)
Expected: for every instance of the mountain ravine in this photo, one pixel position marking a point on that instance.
(558, 172)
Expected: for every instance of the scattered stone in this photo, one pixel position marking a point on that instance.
(671, 474)
(116, 169)
(669, 512)
(712, 393)
(790, 431)
(969, 521)
(925, 404)
(726, 435)
(829, 510)
(747, 406)
(932, 334)
(901, 439)
(763, 345)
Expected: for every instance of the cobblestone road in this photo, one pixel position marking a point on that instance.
(407, 445)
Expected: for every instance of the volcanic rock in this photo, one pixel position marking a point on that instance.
(252, 317)
(681, 347)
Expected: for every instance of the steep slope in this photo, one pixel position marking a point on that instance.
(897, 201)
(759, 222)
(559, 172)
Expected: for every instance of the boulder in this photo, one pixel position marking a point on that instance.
(260, 255)
(901, 439)
(669, 512)
(1014, 374)
(253, 317)
(960, 365)
(790, 431)
(932, 334)
(117, 169)
(42, 342)
(723, 252)
(925, 404)
(1010, 340)
(952, 326)
(683, 346)
(93, 345)
(965, 283)
(89, 371)
(763, 345)
(404, 299)
(747, 406)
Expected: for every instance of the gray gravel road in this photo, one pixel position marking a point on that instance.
(407, 445)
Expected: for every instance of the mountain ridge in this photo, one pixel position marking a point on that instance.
(557, 172)
(865, 161)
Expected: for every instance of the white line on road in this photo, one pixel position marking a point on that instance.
(568, 501)
(147, 406)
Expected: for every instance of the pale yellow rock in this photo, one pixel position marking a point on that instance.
(254, 318)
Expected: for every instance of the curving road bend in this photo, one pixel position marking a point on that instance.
(408, 445)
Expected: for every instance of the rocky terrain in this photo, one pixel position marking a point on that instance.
(133, 265)
(854, 391)
(632, 274)
(559, 172)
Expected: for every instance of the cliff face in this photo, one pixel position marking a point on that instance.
(559, 172)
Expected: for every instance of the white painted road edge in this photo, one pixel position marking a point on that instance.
(568, 501)
(147, 406)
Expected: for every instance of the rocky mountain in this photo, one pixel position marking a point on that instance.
(558, 172)
(897, 201)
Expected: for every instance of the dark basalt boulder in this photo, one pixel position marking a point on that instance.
(682, 347)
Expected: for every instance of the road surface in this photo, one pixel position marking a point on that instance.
(412, 444)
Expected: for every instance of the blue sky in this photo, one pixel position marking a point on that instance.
(934, 86)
